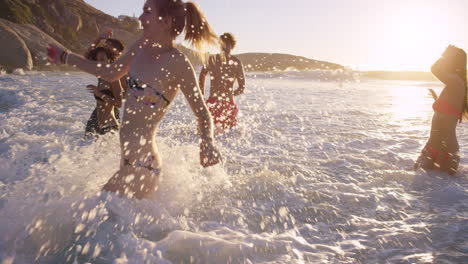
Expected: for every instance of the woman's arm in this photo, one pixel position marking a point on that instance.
(440, 70)
(110, 72)
(209, 154)
(240, 79)
(203, 74)
(116, 99)
(433, 94)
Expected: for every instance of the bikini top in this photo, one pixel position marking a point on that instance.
(144, 93)
(441, 105)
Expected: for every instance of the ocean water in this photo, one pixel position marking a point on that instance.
(318, 171)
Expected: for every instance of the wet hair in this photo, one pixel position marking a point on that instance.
(456, 63)
(228, 38)
(186, 16)
(92, 54)
(115, 43)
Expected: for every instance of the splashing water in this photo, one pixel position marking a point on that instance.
(316, 172)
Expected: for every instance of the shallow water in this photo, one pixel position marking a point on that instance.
(318, 171)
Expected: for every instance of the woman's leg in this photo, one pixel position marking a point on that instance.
(427, 158)
(106, 130)
(92, 124)
(449, 159)
(134, 181)
(450, 163)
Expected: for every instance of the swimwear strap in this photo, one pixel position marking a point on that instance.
(136, 84)
(443, 106)
(148, 167)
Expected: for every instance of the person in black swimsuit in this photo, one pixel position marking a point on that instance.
(108, 97)
(105, 39)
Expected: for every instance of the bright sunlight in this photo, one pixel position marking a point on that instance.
(413, 37)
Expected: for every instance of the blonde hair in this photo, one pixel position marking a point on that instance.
(189, 18)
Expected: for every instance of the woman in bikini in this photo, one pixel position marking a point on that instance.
(108, 98)
(442, 150)
(157, 71)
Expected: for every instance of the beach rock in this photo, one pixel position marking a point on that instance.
(52, 10)
(35, 40)
(14, 52)
(93, 27)
(44, 26)
(71, 19)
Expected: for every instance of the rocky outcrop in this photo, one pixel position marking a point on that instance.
(27, 26)
(34, 42)
(280, 62)
(73, 23)
(14, 52)
(72, 19)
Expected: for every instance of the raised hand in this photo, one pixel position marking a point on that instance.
(93, 89)
(433, 94)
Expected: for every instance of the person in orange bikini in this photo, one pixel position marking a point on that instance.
(224, 69)
(442, 150)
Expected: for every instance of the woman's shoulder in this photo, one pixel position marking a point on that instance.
(177, 59)
(236, 59)
(177, 54)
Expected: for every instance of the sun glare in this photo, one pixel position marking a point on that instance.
(413, 37)
(409, 102)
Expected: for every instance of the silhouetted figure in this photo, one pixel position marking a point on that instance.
(442, 150)
(224, 70)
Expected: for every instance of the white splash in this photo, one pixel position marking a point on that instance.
(316, 172)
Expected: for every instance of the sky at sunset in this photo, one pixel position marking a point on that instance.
(362, 34)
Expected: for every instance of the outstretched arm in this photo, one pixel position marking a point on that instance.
(110, 72)
(240, 80)
(209, 154)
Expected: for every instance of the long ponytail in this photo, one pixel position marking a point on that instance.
(461, 71)
(197, 30)
(465, 106)
(187, 17)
